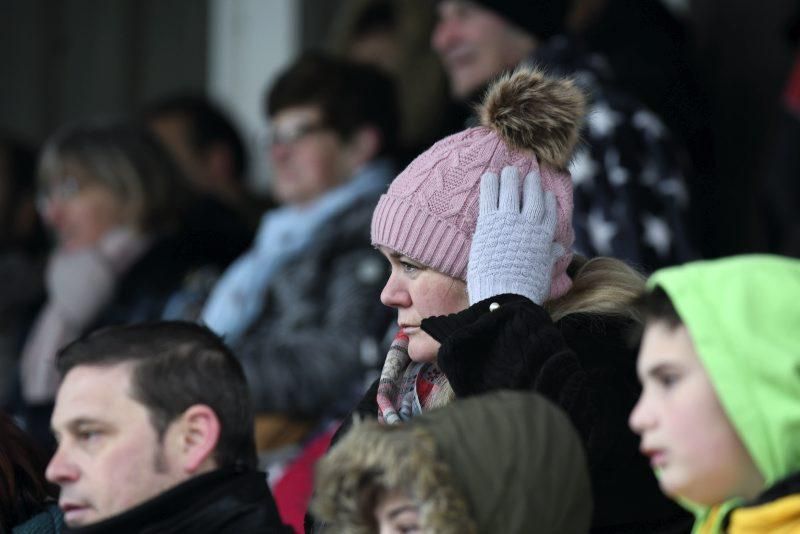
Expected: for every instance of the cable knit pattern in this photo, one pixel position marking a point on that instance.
(512, 249)
(431, 209)
(530, 122)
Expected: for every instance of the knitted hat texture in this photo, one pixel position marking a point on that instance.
(529, 121)
(542, 18)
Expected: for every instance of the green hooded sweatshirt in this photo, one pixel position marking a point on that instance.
(743, 314)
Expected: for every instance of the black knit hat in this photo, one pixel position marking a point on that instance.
(541, 18)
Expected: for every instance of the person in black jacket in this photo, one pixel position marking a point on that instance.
(490, 296)
(630, 175)
(155, 431)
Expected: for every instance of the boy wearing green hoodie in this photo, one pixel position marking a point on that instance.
(719, 414)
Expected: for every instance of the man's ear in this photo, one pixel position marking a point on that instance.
(364, 146)
(219, 166)
(198, 435)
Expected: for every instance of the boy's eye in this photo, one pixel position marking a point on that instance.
(667, 380)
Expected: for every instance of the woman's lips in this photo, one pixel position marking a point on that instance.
(409, 329)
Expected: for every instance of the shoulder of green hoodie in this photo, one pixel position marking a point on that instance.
(743, 315)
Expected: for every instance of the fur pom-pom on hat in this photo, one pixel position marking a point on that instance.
(531, 111)
(430, 212)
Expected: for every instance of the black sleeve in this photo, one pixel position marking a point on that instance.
(507, 348)
(509, 342)
(366, 409)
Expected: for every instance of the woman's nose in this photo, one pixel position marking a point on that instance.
(395, 294)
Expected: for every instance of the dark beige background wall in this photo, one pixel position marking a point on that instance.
(61, 60)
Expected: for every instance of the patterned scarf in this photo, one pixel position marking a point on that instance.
(407, 388)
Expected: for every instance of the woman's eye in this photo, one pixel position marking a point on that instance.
(408, 267)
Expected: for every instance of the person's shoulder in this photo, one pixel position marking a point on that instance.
(600, 339)
(348, 232)
(48, 521)
(597, 323)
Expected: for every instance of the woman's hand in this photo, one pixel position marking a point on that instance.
(512, 249)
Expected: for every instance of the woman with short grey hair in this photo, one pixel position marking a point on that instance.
(114, 200)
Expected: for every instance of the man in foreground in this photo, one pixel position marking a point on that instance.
(155, 434)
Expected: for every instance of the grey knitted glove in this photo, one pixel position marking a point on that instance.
(512, 249)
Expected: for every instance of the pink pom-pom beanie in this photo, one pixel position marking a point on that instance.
(430, 211)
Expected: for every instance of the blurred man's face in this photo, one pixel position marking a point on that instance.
(109, 456)
(475, 45)
(308, 156)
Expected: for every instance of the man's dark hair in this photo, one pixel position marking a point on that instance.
(350, 96)
(206, 125)
(176, 365)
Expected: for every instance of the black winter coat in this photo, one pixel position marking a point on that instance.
(223, 501)
(584, 363)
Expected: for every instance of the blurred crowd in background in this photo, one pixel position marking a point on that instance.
(157, 200)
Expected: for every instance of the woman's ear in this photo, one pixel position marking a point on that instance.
(198, 436)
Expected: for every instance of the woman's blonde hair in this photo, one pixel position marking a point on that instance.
(604, 286)
(125, 158)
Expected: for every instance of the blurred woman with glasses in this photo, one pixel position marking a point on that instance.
(113, 200)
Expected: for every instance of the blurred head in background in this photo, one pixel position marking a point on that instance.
(328, 118)
(476, 41)
(204, 141)
(98, 176)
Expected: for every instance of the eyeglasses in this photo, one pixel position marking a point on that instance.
(58, 190)
(289, 136)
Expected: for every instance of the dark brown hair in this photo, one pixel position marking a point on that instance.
(656, 305)
(651, 306)
(176, 365)
(24, 492)
(350, 96)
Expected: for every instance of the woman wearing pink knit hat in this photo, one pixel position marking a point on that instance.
(478, 232)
